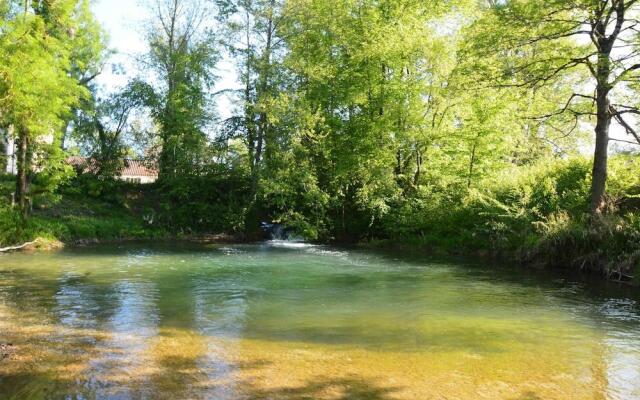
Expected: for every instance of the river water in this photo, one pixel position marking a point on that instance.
(292, 321)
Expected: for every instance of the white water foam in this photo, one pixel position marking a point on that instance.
(289, 244)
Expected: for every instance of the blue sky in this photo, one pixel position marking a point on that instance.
(123, 20)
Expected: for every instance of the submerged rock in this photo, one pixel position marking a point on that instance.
(6, 350)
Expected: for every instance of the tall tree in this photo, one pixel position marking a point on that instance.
(251, 31)
(373, 76)
(37, 85)
(182, 55)
(547, 42)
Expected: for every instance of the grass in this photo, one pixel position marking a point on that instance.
(72, 228)
(74, 217)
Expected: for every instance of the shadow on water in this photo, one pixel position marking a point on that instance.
(176, 380)
(175, 376)
(321, 388)
(349, 388)
(528, 396)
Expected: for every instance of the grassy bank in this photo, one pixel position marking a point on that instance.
(74, 216)
(88, 210)
(609, 247)
(537, 215)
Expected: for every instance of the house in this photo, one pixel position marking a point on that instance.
(8, 147)
(134, 171)
(7, 143)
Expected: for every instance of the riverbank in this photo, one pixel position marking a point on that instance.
(605, 248)
(78, 218)
(627, 272)
(50, 244)
(536, 217)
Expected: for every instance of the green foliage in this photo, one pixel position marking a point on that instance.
(442, 123)
(44, 49)
(540, 212)
(10, 223)
(101, 127)
(181, 57)
(87, 209)
(213, 202)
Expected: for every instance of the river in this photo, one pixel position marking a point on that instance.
(292, 321)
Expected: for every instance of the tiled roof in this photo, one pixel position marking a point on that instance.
(87, 165)
(137, 168)
(131, 168)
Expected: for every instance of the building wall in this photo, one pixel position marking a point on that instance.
(10, 148)
(138, 179)
(10, 153)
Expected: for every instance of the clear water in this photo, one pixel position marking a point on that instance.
(292, 321)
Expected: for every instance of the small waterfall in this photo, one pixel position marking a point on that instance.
(275, 231)
(279, 235)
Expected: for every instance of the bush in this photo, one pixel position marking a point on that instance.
(210, 203)
(10, 226)
(540, 212)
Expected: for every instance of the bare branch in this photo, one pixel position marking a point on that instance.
(567, 108)
(626, 126)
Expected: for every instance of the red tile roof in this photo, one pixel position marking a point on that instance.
(137, 168)
(87, 165)
(131, 168)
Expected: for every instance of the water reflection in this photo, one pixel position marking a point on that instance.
(76, 303)
(282, 322)
(220, 310)
(133, 323)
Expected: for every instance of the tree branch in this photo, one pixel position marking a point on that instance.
(625, 125)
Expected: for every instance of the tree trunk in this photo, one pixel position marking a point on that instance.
(603, 122)
(264, 92)
(263, 125)
(472, 163)
(416, 176)
(600, 158)
(23, 166)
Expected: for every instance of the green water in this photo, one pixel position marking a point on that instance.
(282, 321)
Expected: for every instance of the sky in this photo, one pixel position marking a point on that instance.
(123, 20)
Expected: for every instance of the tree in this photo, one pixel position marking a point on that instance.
(182, 55)
(89, 53)
(37, 87)
(100, 131)
(251, 31)
(373, 78)
(545, 43)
